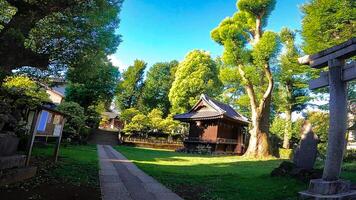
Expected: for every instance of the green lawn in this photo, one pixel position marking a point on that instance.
(77, 164)
(209, 177)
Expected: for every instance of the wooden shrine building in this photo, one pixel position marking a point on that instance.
(215, 125)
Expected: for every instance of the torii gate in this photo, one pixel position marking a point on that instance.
(340, 72)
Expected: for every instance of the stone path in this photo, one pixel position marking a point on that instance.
(121, 179)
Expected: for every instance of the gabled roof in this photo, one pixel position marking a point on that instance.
(208, 108)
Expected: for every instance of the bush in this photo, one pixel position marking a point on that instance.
(350, 155)
(75, 117)
(285, 153)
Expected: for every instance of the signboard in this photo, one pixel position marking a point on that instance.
(57, 130)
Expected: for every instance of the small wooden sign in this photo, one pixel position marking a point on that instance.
(57, 119)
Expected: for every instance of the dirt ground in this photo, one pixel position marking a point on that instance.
(45, 186)
(58, 191)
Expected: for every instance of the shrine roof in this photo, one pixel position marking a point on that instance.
(207, 108)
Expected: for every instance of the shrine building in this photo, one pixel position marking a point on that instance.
(215, 125)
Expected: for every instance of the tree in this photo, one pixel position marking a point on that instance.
(127, 114)
(251, 49)
(129, 89)
(197, 74)
(50, 32)
(233, 91)
(292, 90)
(93, 81)
(139, 125)
(327, 23)
(155, 120)
(75, 117)
(157, 85)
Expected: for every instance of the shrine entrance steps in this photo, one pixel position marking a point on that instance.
(103, 137)
(121, 179)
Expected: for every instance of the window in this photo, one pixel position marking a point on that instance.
(43, 121)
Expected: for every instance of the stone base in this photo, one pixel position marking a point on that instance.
(351, 195)
(320, 189)
(16, 175)
(8, 162)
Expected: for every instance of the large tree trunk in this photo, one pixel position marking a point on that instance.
(288, 113)
(259, 142)
(287, 129)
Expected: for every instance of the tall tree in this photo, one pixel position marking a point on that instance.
(251, 49)
(40, 33)
(197, 74)
(292, 90)
(91, 82)
(158, 82)
(327, 23)
(130, 88)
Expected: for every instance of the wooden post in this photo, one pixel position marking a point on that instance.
(32, 136)
(338, 119)
(58, 142)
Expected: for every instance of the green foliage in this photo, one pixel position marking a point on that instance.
(130, 88)
(171, 126)
(327, 23)
(153, 124)
(128, 114)
(259, 8)
(248, 49)
(93, 80)
(57, 32)
(75, 117)
(285, 153)
(17, 95)
(139, 125)
(155, 117)
(196, 75)
(266, 48)
(7, 11)
(278, 127)
(33, 94)
(320, 123)
(233, 90)
(157, 85)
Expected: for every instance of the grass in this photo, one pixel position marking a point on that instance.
(77, 164)
(214, 177)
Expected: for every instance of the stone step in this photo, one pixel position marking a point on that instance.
(103, 137)
(7, 162)
(16, 175)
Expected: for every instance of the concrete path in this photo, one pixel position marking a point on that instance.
(121, 179)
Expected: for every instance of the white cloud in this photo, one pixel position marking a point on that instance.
(117, 62)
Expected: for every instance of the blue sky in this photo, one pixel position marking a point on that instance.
(164, 30)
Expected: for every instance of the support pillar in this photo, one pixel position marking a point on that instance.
(338, 121)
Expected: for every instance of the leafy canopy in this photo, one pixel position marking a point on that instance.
(129, 89)
(195, 75)
(327, 23)
(156, 88)
(50, 32)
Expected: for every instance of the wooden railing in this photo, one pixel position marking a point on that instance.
(152, 140)
(217, 140)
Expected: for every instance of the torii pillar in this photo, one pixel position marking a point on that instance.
(340, 72)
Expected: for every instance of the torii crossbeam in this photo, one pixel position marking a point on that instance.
(340, 72)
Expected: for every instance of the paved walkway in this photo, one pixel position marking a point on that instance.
(121, 179)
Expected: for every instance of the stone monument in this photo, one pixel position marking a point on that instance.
(305, 154)
(340, 72)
